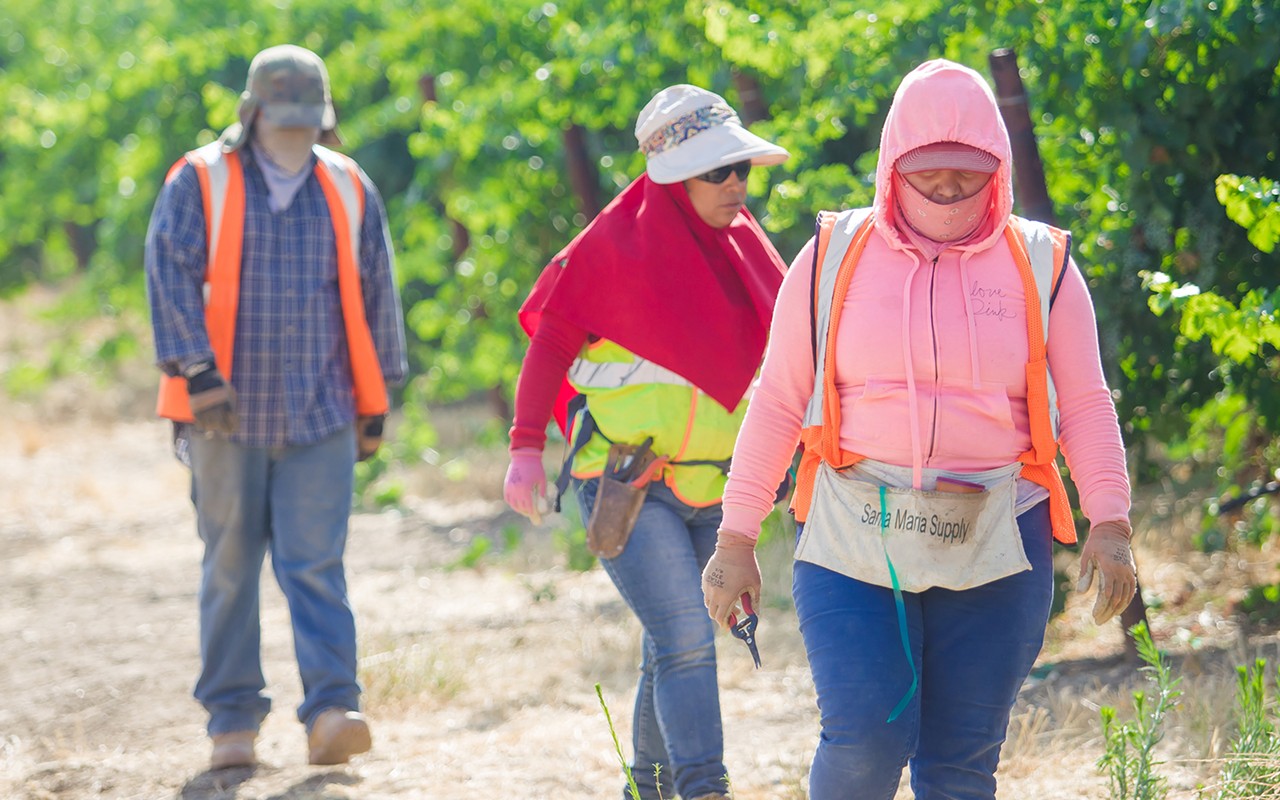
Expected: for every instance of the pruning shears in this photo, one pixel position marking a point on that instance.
(746, 629)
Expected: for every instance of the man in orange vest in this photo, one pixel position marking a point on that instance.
(278, 326)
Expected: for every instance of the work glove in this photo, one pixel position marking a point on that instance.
(213, 401)
(525, 486)
(731, 572)
(1107, 552)
(369, 435)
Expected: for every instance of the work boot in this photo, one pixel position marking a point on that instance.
(233, 749)
(337, 735)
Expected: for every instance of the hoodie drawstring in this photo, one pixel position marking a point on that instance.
(970, 318)
(913, 403)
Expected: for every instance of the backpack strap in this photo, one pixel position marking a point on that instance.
(582, 427)
(1061, 255)
(822, 228)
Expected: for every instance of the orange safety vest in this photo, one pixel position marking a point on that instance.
(222, 191)
(1040, 252)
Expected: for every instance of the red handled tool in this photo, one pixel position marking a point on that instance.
(746, 630)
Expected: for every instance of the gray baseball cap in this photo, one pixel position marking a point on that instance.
(289, 86)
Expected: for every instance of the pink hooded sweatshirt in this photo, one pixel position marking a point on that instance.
(931, 354)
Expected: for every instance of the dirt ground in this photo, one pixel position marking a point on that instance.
(480, 680)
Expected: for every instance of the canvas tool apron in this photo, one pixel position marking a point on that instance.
(866, 522)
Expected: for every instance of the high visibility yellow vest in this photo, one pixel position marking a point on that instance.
(1040, 251)
(631, 398)
(221, 178)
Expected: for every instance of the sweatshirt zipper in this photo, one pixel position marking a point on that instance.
(933, 338)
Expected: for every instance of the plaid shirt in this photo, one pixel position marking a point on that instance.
(291, 370)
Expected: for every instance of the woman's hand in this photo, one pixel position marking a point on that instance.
(526, 483)
(731, 572)
(1107, 551)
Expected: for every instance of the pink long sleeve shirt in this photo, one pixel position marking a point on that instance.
(931, 353)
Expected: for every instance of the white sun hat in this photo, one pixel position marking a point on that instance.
(685, 131)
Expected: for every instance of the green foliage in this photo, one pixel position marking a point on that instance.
(1241, 333)
(374, 491)
(1257, 523)
(460, 114)
(1261, 605)
(1253, 204)
(779, 526)
(1244, 333)
(571, 539)
(1063, 585)
(1129, 756)
(475, 552)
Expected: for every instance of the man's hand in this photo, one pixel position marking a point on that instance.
(526, 483)
(732, 571)
(213, 401)
(1107, 552)
(369, 435)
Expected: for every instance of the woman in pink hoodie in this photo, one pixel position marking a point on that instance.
(929, 497)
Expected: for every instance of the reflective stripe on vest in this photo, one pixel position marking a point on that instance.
(1040, 252)
(587, 374)
(222, 193)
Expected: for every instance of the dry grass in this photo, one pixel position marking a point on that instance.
(399, 677)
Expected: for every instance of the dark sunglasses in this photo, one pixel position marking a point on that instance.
(721, 174)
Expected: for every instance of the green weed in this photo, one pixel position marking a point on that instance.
(1253, 767)
(1129, 757)
(475, 552)
(617, 747)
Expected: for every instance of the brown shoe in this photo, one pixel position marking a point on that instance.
(233, 749)
(337, 735)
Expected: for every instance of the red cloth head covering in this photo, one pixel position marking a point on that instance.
(650, 275)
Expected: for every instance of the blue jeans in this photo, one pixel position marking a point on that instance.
(676, 724)
(972, 649)
(295, 502)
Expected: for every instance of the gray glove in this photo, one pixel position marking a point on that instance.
(1107, 553)
(213, 401)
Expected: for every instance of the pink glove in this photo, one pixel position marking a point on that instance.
(1107, 551)
(526, 483)
(731, 572)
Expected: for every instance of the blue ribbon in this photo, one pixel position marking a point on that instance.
(902, 610)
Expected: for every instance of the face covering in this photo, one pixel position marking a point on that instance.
(282, 185)
(942, 223)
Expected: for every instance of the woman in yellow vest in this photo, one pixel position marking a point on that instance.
(657, 314)
(929, 353)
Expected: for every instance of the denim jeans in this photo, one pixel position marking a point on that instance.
(676, 724)
(295, 502)
(972, 650)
